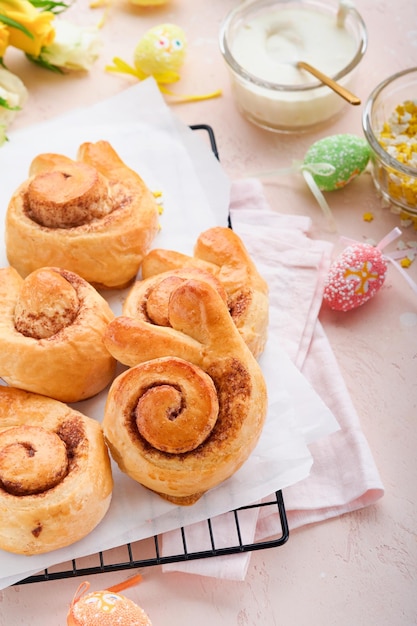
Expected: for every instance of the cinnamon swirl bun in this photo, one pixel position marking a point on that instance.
(191, 411)
(93, 216)
(52, 325)
(55, 474)
(221, 252)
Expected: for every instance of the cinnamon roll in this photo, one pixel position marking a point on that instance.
(93, 216)
(55, 474)
(52, 325)
(221, 252)
(191, 411)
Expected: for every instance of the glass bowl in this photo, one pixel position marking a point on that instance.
(394, 145)
(262, 40)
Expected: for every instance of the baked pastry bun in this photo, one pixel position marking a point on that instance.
(191, 411)
(220, 250)
(51, 334)
(104, 608)
(148, 299)
(55, 473)
(93, 216)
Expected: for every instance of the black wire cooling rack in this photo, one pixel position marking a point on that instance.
(148, 552)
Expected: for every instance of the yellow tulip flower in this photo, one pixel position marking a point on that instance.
(37, 29)
(4, 39)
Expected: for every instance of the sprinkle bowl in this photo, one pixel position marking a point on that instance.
(389, 123)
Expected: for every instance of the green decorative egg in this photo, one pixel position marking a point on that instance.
(336, 160)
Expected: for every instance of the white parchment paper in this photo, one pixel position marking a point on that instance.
(195, 190)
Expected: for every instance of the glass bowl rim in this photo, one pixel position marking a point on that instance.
(242, 73)
(378, 150)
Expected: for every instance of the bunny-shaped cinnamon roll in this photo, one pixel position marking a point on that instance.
(190, 410)
(93, 216)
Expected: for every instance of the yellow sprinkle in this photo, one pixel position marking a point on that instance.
(405, 262)
(158, 197)
(368, 217)
(400, 186)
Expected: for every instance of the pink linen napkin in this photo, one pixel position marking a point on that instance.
(343, 476)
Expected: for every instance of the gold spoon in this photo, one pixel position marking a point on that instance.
(344, 93)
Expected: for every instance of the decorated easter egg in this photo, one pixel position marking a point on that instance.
(354, 277)
(161, 52)
(106, 608)
(336, 160)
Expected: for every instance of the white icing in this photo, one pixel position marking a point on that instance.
(269, 45)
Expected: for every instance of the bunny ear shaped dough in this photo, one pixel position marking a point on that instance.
(191, 412)
(200, 326)
(148, 299)
(133, 341)
(196, 310)
(220, 251)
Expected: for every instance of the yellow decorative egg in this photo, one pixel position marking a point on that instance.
(160, 52)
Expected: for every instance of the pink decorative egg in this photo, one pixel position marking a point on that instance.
(354, 277)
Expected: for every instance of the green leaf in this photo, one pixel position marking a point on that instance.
(50, 5)
(42, 63)
(9, 22)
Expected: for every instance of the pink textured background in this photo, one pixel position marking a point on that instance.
(359, 569)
